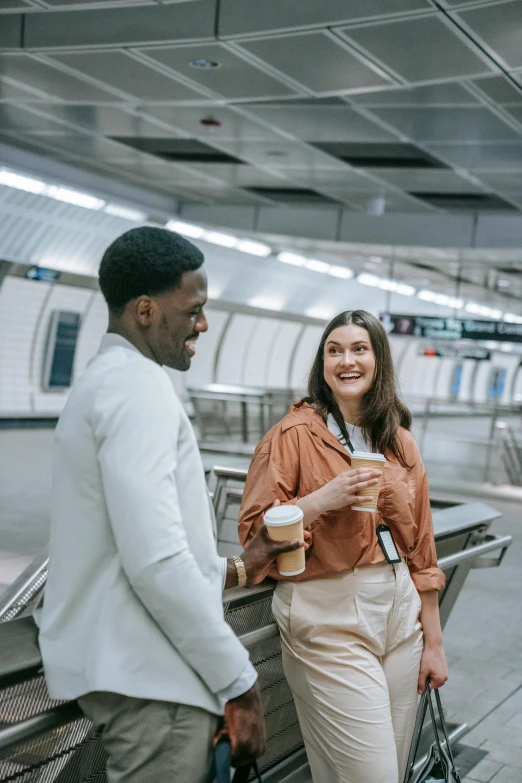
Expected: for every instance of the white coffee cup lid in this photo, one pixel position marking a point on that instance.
(283, 515)
(369, 455)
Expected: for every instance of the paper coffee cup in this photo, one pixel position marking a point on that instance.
(363, 459)
(285, 523)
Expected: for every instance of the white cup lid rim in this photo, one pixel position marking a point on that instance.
(368, 455)
(283, 515)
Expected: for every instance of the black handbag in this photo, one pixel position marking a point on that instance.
(439, 766)
(222, 765)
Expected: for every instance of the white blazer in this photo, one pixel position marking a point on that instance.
(133, 600)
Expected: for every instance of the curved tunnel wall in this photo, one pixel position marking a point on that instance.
(252, 348)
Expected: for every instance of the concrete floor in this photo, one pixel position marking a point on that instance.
(483, 637)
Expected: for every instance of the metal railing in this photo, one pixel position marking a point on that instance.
(51, 742)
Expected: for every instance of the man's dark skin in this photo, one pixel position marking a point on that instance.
(165, 327)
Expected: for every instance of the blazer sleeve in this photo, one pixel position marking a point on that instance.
(273, 475)
(422, 560)
(136, 429)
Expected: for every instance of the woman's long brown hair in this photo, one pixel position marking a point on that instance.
(382, 412)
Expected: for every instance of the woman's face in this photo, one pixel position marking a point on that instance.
(349, 363)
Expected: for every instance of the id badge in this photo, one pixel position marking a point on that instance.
(387, 543)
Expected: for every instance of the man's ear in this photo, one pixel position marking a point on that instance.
(143, 310)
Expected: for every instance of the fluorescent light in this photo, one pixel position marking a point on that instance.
(186, 229)
(291, 258)
(511, 318)
(385, 284)
(487, 312)
(340, 271)
(441, 299)
(254, 248)
(316, 266)
(12, 180)
(125, 212)
(266, 303)
(313, 264)
(366, 279)
(323, 313)
(217, 238)
(404, 289)
(75, 197)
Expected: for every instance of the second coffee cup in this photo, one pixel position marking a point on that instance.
(363, 459)
(285, 523)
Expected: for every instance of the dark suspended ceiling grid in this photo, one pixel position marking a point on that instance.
(410, 105)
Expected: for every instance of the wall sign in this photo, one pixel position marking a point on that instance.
(452, 351)
(451, 328)
(43, 274)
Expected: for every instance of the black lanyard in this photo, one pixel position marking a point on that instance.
(349, 444)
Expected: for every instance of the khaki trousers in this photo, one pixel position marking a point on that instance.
(152, 741)
(351, 652)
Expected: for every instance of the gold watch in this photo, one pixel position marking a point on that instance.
(241, 571)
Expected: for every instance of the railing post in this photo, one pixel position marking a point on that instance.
(489, 451)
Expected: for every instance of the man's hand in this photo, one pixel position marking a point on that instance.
(261, 552)
(246, 727)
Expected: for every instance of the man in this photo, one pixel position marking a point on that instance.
(132, 624)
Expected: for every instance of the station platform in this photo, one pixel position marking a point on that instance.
(483, 636)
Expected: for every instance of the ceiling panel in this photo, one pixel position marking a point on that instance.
(230, 125)
(500, 89)
(89, 147)
(321, 123)
(106, 120)
(392, 202)
(507, 182)
(499, 27)
(179, 21)
(119, 70)
(114, 3)
(316, 61)
(238, 176)
(413, 47)
(239, 17)
(427, 95)
(283, 153)
(504, 157)
(233, 78)
(340, 177)
(8, 92)
(516, 112)
(18, 119)
(54, 82)
(433, 180)
(6, 5)
(452, 124)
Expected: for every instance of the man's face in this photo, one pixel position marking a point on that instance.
(179, 321)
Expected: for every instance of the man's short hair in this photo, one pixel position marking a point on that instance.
(145, 261)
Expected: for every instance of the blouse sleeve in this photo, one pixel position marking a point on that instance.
(273, 475)
(422, 560)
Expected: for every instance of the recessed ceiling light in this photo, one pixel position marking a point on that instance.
(204, 65)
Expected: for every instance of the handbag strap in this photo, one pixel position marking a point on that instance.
(449, 751)
(417, 730)
(243, 773)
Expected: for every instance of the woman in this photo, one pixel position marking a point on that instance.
(360, 635)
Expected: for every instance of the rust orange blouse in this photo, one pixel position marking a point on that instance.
(298, 456)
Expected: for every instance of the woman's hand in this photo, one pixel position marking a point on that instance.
(433, 665)
(346, 489)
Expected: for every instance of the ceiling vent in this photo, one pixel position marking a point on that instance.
(470, 202)
(292, 195)
(380, 155)
(178, 150)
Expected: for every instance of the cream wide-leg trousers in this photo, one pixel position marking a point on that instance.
(351, 652)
